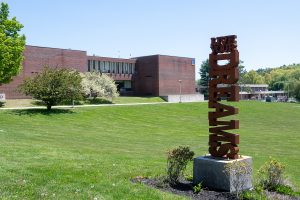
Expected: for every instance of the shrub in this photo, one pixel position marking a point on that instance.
(178, 159)
(2, 103)
(271, 174)
(97, 101)
(241, 171)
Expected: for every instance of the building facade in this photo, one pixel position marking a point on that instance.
(254, 92)
(156, 75)
(260, 92)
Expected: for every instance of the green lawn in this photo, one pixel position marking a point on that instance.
(122, 100)
(89, 153)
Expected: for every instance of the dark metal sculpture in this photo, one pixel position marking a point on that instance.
(222, 86)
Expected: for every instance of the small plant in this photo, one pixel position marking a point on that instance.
(253, 195)
(197, 188)
(285, 189)
(189, 177)
(271, 174)
(178, 159)
(241, 171)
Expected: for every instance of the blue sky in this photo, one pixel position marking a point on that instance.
(268, 30)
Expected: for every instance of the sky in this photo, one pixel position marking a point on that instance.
(267, 30)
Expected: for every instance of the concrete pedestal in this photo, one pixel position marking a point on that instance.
(210, 172)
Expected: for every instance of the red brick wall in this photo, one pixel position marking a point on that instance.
(155, 75)
(146, 77)
(171, 70)
(38, 57)
(158, 75)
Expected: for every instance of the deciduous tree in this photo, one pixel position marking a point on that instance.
(12, 45)
(53, 86)
(252, 77)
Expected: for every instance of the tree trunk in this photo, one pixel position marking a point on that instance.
(49, 107)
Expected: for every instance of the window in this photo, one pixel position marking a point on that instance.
(114, 68)
(117, 68)
(130, 68)
(126, 68)
(106, 66)
(193, 61)
(110, 67)
(89, 65)
(102, 66)
(122, 68)
(94, 65)
(99, 69)
(133, 68)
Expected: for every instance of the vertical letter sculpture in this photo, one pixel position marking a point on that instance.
(222, 85)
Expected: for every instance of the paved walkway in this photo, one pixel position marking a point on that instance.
(81, 106)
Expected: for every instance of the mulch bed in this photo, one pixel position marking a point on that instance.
(185, 188)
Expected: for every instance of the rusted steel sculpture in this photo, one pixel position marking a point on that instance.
(222, 86)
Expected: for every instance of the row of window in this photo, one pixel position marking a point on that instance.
(111, 67)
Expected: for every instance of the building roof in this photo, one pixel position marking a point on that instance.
(253, 85)
(163, 55)
(52, 48)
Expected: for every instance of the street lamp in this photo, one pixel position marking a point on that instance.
(180, 81)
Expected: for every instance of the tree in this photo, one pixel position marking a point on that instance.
(12, 45)
(252, 77)
(96, 84)
(204, 74)
(296, 91)
(53, 86)
(242, 70)
(203, 71)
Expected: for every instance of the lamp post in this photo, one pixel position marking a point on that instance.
(180, 81)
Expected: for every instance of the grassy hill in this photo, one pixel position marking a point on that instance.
(92, 153)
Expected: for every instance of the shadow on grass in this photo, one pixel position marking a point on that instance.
(39, 111)
(98, 101)
(2, 104)
(64, 103)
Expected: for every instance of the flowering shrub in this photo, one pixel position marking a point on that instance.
(96, 84)
(271, 174)
(178, 159)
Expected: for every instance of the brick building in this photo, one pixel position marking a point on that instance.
(156, 75)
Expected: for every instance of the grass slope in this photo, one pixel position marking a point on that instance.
(91, 153)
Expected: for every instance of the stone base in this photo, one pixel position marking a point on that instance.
(184, 98)
(210, 172)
